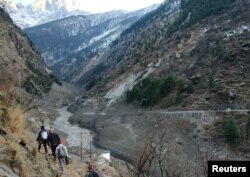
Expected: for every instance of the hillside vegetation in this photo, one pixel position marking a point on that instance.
(204, 45)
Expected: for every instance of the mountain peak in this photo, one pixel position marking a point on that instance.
(44, 5)
(41, 11)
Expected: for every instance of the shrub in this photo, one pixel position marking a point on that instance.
(180, 86)
(230, 131)
(248, 127)
(55, 79)
(178, 100)
(132, 95)
(211, 82)
(144, 91)
(148, 91)
(190, 87)
(15, 122)
(18, 160)
(197, 9)
(195, 80)
(34, 152)
(12, 120)
(92, 83)
(3, 115)
(39, 82)
(7, 84)
(29, 86)
(166, 84)
(218, 50)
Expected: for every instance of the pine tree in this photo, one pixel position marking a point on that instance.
(230, 131)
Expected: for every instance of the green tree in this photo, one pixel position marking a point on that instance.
(166, 84)
(148, 91)
(180, 86)
(230, 131)
(248, 127)
(190, 87)
(211, 82)
(196, 10)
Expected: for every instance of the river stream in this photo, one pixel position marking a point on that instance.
(73, 131)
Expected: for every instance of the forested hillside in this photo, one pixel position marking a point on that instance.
(197, 54)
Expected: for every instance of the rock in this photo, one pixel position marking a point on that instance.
(231, 95)
(196, 79)
(191, 66)
(177, 55)
(150, 64)
(178, 141)
(158, 64)
(247, 45)
(73, 108)
(242, 83)
(2, 132)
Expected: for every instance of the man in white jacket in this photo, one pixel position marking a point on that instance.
(62, 155)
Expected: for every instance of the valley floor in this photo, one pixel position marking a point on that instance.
(125, 129)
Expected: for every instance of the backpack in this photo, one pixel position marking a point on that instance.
(62, 151)
(44, 134)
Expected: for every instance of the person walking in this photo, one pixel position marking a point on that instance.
(91, 172)
(53, 141)
(62, 155)
(42, 139)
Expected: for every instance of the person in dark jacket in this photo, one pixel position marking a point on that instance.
(53, 141)
(91, 172)
(42, 139)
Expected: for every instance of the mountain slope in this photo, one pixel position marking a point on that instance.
(87, 72)
(41, 11)
(75, 38)
(204, 50)
(19, 65)
(19, 59)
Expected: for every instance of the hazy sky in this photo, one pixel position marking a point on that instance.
(108, 5)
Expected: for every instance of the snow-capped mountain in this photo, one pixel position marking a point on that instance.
(76, 37)
(69, 5)
(41, 11)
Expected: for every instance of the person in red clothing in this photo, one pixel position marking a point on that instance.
(91, 172)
